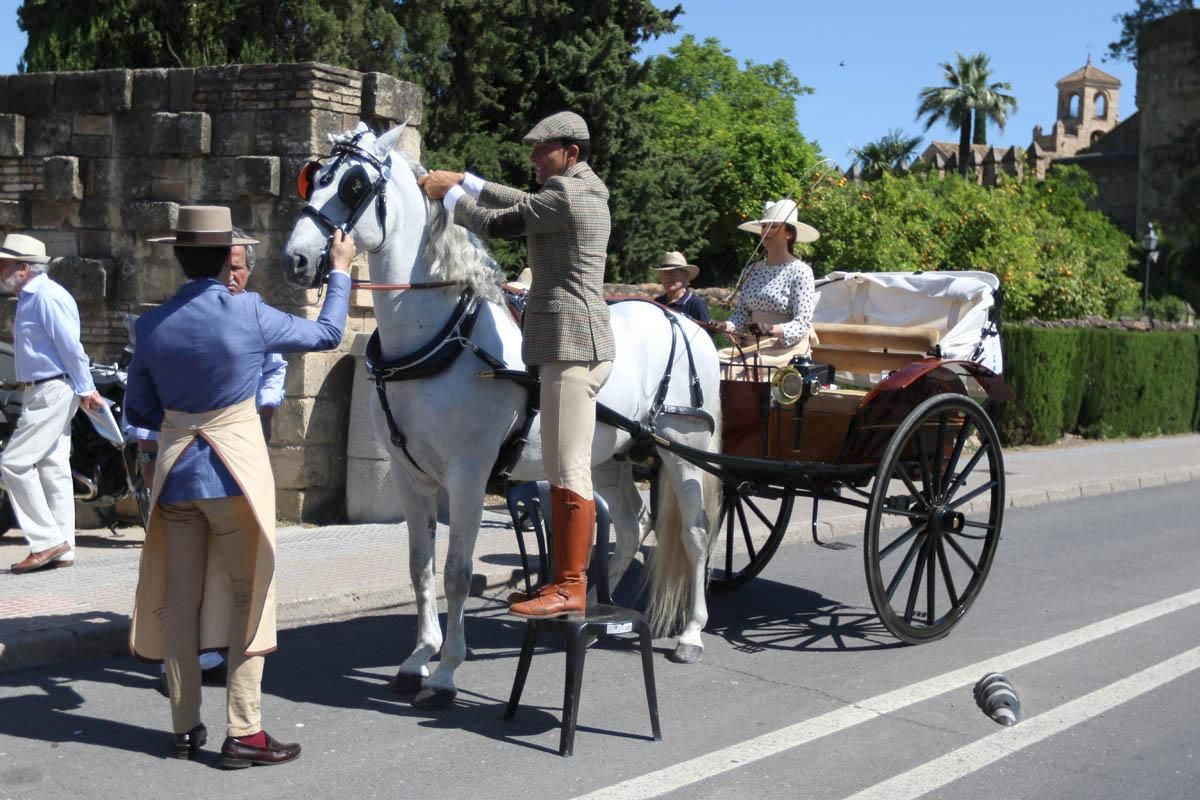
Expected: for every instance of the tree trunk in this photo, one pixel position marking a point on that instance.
(980, 128)
(964, 145)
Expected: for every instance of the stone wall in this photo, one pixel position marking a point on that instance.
(93, 163)
(1168, 94)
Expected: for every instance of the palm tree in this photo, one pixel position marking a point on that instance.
(892, 154)
(966, 102)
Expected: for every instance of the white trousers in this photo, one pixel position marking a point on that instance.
(36, 467)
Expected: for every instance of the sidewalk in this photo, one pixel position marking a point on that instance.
(339, 571)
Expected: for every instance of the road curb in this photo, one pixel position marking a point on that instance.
(110, 638)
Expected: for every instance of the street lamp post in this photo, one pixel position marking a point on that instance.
(1150, 245)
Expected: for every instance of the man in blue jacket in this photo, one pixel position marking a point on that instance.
(206, 579)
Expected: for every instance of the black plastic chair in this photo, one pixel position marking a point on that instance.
(601, 618)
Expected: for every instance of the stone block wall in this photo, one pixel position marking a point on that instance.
(1168, 93)
(94, 163)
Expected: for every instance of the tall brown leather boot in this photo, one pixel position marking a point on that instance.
(573, 524)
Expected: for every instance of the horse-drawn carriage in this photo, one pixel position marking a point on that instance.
(881, 417)
(900, 436)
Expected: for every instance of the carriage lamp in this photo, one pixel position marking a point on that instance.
(1150, 245)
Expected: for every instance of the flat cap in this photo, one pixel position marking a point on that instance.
(563, 125)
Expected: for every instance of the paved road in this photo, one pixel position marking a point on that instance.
(800, 694)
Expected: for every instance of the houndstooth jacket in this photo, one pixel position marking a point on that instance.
(566, 225)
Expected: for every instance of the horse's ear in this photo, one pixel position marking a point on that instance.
(386, 142)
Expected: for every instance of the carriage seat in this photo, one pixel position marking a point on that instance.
(871, 349)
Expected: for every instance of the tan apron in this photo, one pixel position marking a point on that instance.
(765, 351)
(235, 434)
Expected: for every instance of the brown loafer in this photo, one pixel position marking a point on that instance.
(188, 744)
(235, 755)
(36, 561)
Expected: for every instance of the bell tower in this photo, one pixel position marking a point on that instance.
(1087, 108)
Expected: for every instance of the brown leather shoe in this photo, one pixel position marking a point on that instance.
(36, 561)
(573, 521)
(235, 755)
(520, 597)
(188, 744)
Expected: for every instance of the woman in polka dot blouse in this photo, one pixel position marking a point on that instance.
(775, 306)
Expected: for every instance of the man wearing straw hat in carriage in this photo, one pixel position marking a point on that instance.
(206, 579)
(676, 274)
(567, 335)
(775, 303)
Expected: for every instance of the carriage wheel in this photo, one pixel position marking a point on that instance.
(934, 518)
(743, 548)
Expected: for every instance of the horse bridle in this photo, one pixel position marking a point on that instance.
(356, 191)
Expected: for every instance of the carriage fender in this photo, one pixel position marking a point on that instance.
(904, 377)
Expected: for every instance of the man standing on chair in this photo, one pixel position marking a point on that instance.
(568, 338)
(53, 370)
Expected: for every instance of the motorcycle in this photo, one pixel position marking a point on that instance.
(105, 466)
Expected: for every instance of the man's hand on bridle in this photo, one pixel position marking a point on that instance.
(341, 251)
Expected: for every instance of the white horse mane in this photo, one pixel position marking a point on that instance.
(453, 252)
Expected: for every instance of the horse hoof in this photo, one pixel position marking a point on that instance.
(405, 683)
(430, 697)
(687, 654)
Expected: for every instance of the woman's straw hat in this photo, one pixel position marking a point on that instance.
(782, 212)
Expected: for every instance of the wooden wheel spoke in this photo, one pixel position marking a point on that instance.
(963, 554)
(935, 489)
(952, 462)
(962, 476)
(930, 583)
(946, 576)
(915, 587)
(904, 512)
(763, 517)
(923, 458)
(901, 539)
(971, 495)
(746, 532)
(729, 536)
(917, 494)
(903, 568)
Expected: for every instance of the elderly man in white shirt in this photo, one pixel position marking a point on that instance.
(54, 373)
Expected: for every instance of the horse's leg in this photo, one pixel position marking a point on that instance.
(630, 520)
(465, 489)
(689, 484)
(420, 512)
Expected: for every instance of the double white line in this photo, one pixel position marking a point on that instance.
(952, 766)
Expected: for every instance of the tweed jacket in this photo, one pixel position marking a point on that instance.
(566, 226)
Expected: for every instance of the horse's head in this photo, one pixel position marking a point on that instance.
(355, 190)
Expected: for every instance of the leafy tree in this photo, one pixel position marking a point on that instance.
(84, 34)
(1132, 22)
(967, 102)
(892, 153)
(1055, 258)
(487, 81)
(732, 132)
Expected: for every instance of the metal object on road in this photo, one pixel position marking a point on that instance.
(997, 698)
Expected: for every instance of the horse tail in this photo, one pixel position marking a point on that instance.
(669, 576)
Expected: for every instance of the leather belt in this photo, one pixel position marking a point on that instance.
(26, 384)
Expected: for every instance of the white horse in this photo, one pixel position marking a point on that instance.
(456, 421)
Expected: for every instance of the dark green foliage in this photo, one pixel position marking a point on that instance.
(1126, 46)
(1099, 383)
(85, 34)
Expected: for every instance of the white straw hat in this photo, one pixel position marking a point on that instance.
(523, 280)
(782, 212)
(19, 247)
(675, 260)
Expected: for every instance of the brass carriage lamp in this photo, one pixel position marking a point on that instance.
(1150, 245)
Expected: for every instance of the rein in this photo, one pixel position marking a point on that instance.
(397, 287)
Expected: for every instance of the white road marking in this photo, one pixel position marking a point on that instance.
(717, 762)
(977, 755)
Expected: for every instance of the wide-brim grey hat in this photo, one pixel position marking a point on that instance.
(19, 247)
(782, 212)
(675, 260)
(563, 125)
(203, 226)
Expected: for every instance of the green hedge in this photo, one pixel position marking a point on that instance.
(1099, 383)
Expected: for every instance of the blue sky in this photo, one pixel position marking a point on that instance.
(891, 51)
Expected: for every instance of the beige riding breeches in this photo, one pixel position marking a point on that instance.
(568, 412)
